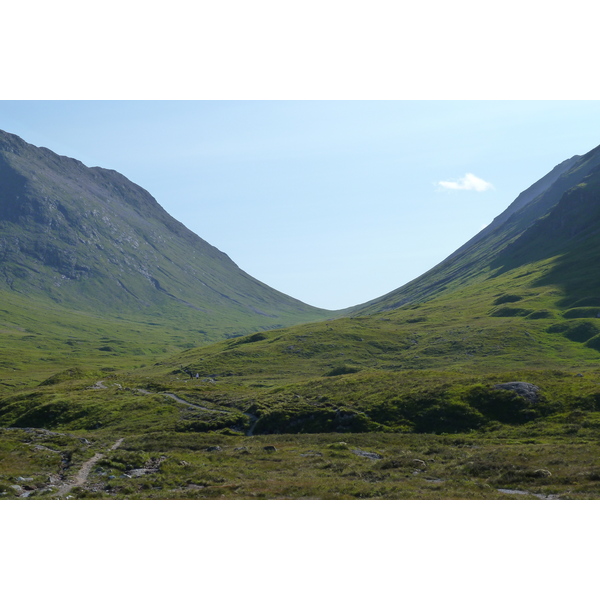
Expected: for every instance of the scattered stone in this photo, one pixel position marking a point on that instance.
(270, 449)
(184, 463)
(338, 445)
(371, 455)
(517, 492)
(542, 473)
(139, 472)
(420, 463)
(214, 449)
(526, 390)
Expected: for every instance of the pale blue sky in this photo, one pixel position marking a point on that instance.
(332, 202)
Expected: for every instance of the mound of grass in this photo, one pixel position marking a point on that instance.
(582, 313)
(511, 311)
(506, 298)
(581, 331)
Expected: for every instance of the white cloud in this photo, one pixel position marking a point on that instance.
(468, 182)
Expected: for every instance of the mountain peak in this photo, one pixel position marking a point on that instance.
(91, 239)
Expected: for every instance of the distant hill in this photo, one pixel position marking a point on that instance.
(90, 240)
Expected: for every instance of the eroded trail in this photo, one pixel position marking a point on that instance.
(84, 472)
(253, 418)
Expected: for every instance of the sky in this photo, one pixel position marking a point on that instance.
(332, 202)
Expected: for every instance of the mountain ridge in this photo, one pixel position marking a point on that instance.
(472, 259)
(89, 238)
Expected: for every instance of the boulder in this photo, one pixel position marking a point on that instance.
(526, 390)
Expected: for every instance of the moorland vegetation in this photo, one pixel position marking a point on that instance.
(401, 398)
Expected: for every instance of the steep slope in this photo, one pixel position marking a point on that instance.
(474, 259)
(88, 239)
(569, 233)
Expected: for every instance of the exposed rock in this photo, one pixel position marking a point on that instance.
(526, 390)
(214, 449)
(371, 455)
(139, 472)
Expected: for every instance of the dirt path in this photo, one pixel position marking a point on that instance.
(84, 472)
(252, 418)
(253, 421)
(182, 401)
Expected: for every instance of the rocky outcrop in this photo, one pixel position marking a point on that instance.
(526, 390)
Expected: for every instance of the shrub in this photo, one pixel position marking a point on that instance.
(500, 405)
(341, 370)
(448, 416)
(313, 420)
(250, 339)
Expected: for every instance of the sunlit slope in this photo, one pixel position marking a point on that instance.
(475, 260)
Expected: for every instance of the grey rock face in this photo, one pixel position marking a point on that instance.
(526, 390)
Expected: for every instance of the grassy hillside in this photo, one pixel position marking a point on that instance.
(478, 257)
(90, 240)
(397, 405)
(414, 401)
(428, 367)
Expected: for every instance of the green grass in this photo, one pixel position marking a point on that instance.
(411, 384)
(322, 466)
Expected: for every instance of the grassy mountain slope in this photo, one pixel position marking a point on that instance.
(473, 261)
(92, 266)
(89, 239)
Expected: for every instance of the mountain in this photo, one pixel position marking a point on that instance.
(88, 239)
(518, 303)
(486, 251)
(478, 379)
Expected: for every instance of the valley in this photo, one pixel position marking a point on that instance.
(209, 396)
